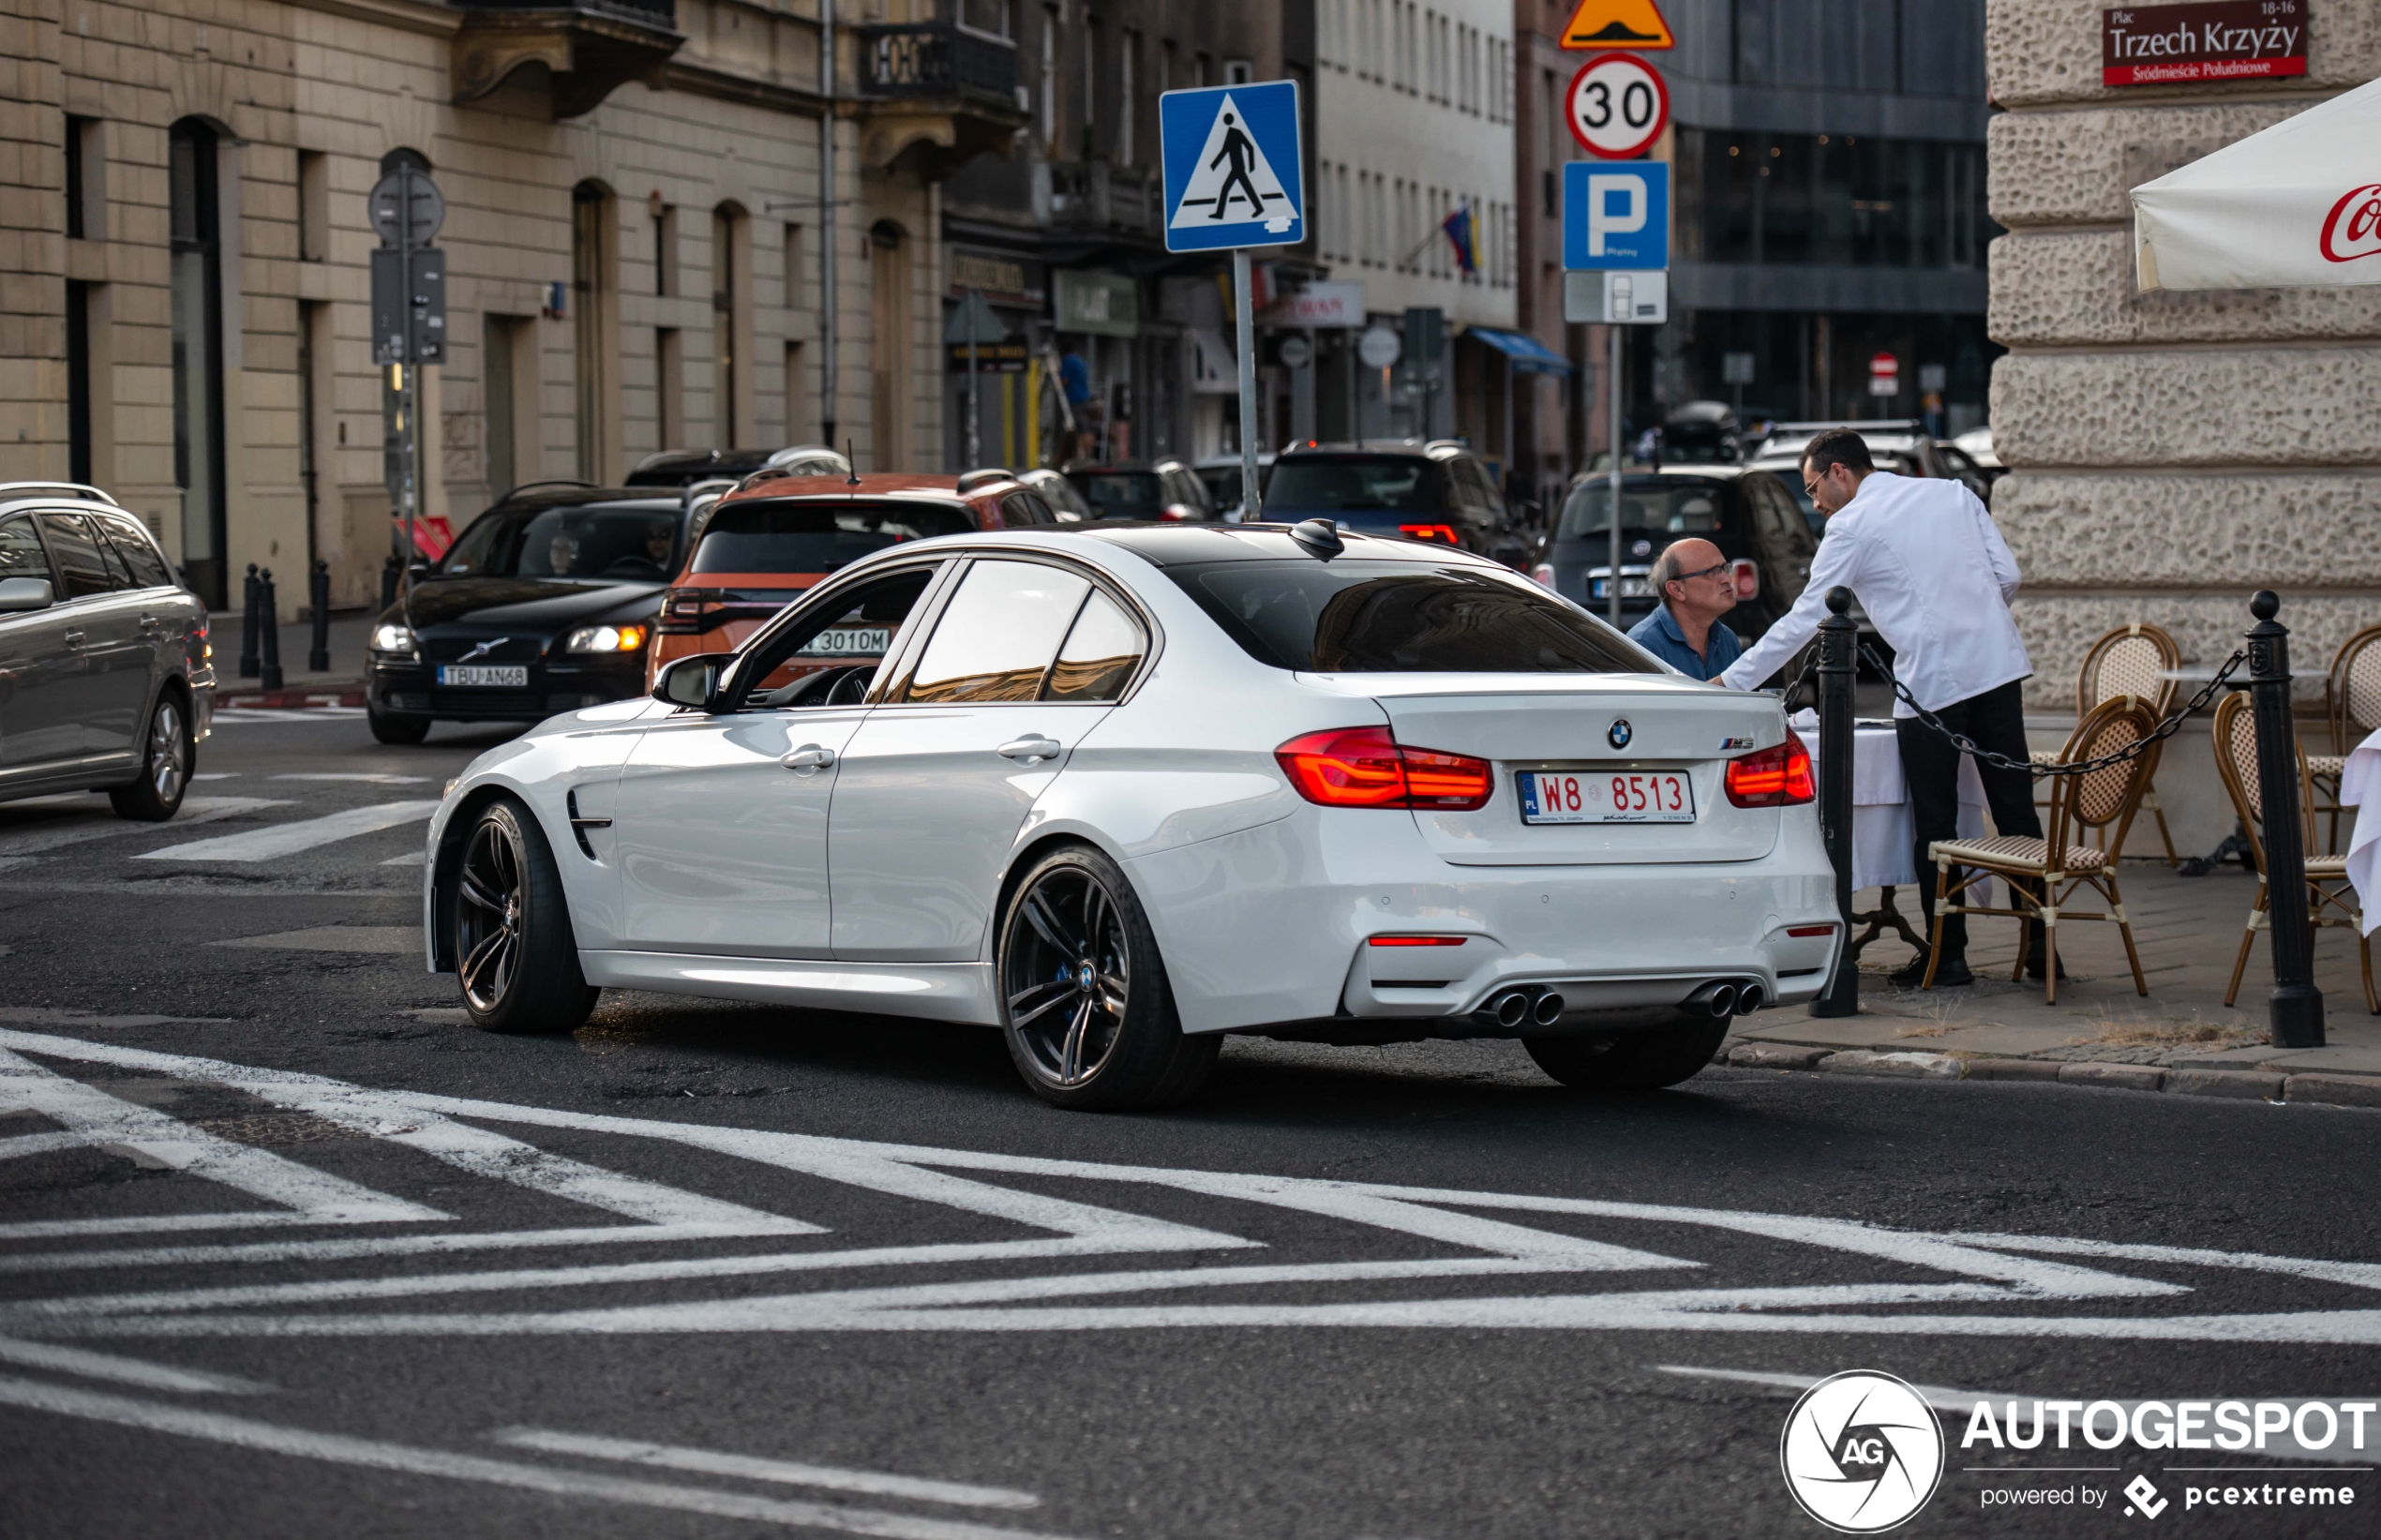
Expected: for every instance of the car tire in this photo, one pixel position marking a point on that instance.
(1646, 1062)
(516, 958)
(168, 756)
(389, 727)
(1085, 1007)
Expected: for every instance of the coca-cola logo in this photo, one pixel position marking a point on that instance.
(2353, 229)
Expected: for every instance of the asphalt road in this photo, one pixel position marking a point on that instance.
(288, 1249)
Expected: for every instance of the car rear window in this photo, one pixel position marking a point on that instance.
(1358, 617)
(1679, 508)
(1320, 484)
(1121, 494)
(620, 542)
(805, 537)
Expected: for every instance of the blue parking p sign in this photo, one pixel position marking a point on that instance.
(1233, 171)
(1616, 214)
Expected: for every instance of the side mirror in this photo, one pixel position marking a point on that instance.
(19, 595)
(689, 682)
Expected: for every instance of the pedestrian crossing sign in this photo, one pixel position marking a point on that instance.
(1233, 167)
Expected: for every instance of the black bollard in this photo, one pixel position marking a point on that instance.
(317, 655)
(2295, 1006)
(1838, 635)
(247, 626)
(388, 582)
(269, 607)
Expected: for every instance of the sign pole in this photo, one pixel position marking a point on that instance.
(1244, 325)
(413, 374)
(1613, 572)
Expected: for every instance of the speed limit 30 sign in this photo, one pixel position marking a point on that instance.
(1617, 106)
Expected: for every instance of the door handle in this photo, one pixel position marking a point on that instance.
(74, 639)
(1030, 748)
(809, 760)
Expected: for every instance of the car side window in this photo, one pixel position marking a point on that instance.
(84, 570)
(119, 570)
(999, 636)
(864, 625)
(1021, 510)
(131, 543)
(1101, 650)
(21, 552)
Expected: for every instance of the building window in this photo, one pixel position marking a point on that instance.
(503, 342)
(1088, 104)
(1127, 105)
(194, 218)
(797, 387)
(664, 232)
(314, 206)
(595, 329)
(1049, 103)
(78, 456)
(731, 325)
(87, 180)
(1238, 72)
(889, 379)
(669, 390)
(1841, 199)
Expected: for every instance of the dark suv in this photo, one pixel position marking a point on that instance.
(105, 683)
(1750, 515)
(1438, 491)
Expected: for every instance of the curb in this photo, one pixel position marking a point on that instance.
(282, 700)
(2331, 1090)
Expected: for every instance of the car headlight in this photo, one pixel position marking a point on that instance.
(393, 637)
(605, 639)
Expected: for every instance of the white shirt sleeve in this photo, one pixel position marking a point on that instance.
(1832, 567)
(2004, 562)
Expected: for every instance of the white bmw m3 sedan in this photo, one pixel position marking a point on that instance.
(1120, 790)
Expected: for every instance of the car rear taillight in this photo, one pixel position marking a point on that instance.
(687, 612)
(1543, 575)
(1778, 777)
(1365, 767)
(1416, 940)
(1442, 533)
(1747, 578)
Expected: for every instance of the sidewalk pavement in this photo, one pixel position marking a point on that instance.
(341, 684)
(2182, 1037)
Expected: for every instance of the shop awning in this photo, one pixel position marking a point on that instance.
(2296, 206)
(1528, 354)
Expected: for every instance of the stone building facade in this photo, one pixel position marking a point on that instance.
(633, 239)
(2172, 452)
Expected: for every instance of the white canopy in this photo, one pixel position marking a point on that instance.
(2298, 206)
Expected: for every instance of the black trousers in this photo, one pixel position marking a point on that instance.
(1995, 720)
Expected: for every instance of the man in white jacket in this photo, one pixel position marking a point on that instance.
(1936, 578)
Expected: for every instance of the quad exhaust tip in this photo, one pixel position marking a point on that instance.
(1716, 1000)
(1515, 1009)
(1748, 999)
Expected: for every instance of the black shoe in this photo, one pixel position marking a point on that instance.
(1952, 973)
(2033, 964)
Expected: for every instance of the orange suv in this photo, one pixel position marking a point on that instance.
(761, 545)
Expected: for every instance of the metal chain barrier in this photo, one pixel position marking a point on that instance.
(2083, 767)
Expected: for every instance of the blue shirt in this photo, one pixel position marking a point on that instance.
(1659, 635)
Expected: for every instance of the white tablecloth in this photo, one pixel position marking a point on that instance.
(1882, 826)
(2360, 788)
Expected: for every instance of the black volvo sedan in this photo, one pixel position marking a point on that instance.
(544, 603)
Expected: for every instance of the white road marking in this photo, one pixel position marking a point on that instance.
(102, 1118)
(349, 1249)
(413, 1459)
(785, 1472)
(235, 716)
(41, 1143)
(411, 858)
(109, 1366)
(275, 841)
(195, 809)
(218, 775)
(382, 778)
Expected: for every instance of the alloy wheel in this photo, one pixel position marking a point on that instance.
(1067, 975)
(488, 914)
(167, 753)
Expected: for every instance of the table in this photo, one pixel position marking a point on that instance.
(1882, 826)
(2360, 788)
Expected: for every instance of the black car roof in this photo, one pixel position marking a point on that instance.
(1164, 544)
(681, 467)
(566, 497)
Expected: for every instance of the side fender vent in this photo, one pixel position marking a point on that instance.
(580, 826)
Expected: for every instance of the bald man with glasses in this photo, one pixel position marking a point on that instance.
(1698, 587)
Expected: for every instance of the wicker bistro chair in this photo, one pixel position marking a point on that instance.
(2044, 874)
(2128, 662)
(2352, 699)
(2330, 898)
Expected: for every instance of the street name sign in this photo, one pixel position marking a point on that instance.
(1617, 106)
(1618, 23)
(1616, 216)
(2223, 41)
(1233, 167)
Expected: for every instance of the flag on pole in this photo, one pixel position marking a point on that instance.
(1463, 231)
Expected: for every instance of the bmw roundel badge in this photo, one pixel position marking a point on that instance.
(1619, 734)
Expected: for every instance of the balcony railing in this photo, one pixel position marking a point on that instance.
(936, 59)
(1097, 195)
(652, 13)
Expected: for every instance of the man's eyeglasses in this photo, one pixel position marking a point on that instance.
(1707, 572)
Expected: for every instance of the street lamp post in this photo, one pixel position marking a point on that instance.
(2295, 1006)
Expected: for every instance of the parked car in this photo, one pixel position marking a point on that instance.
(1058, 491)
(1701, 433)
(764, 543)
(1220, 476)
(106, 678)
(1905, 440)
(1165, 490)
(1748, 515)
(1290, 829)
(683, 467)
(1439, 492)
(544, 603)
